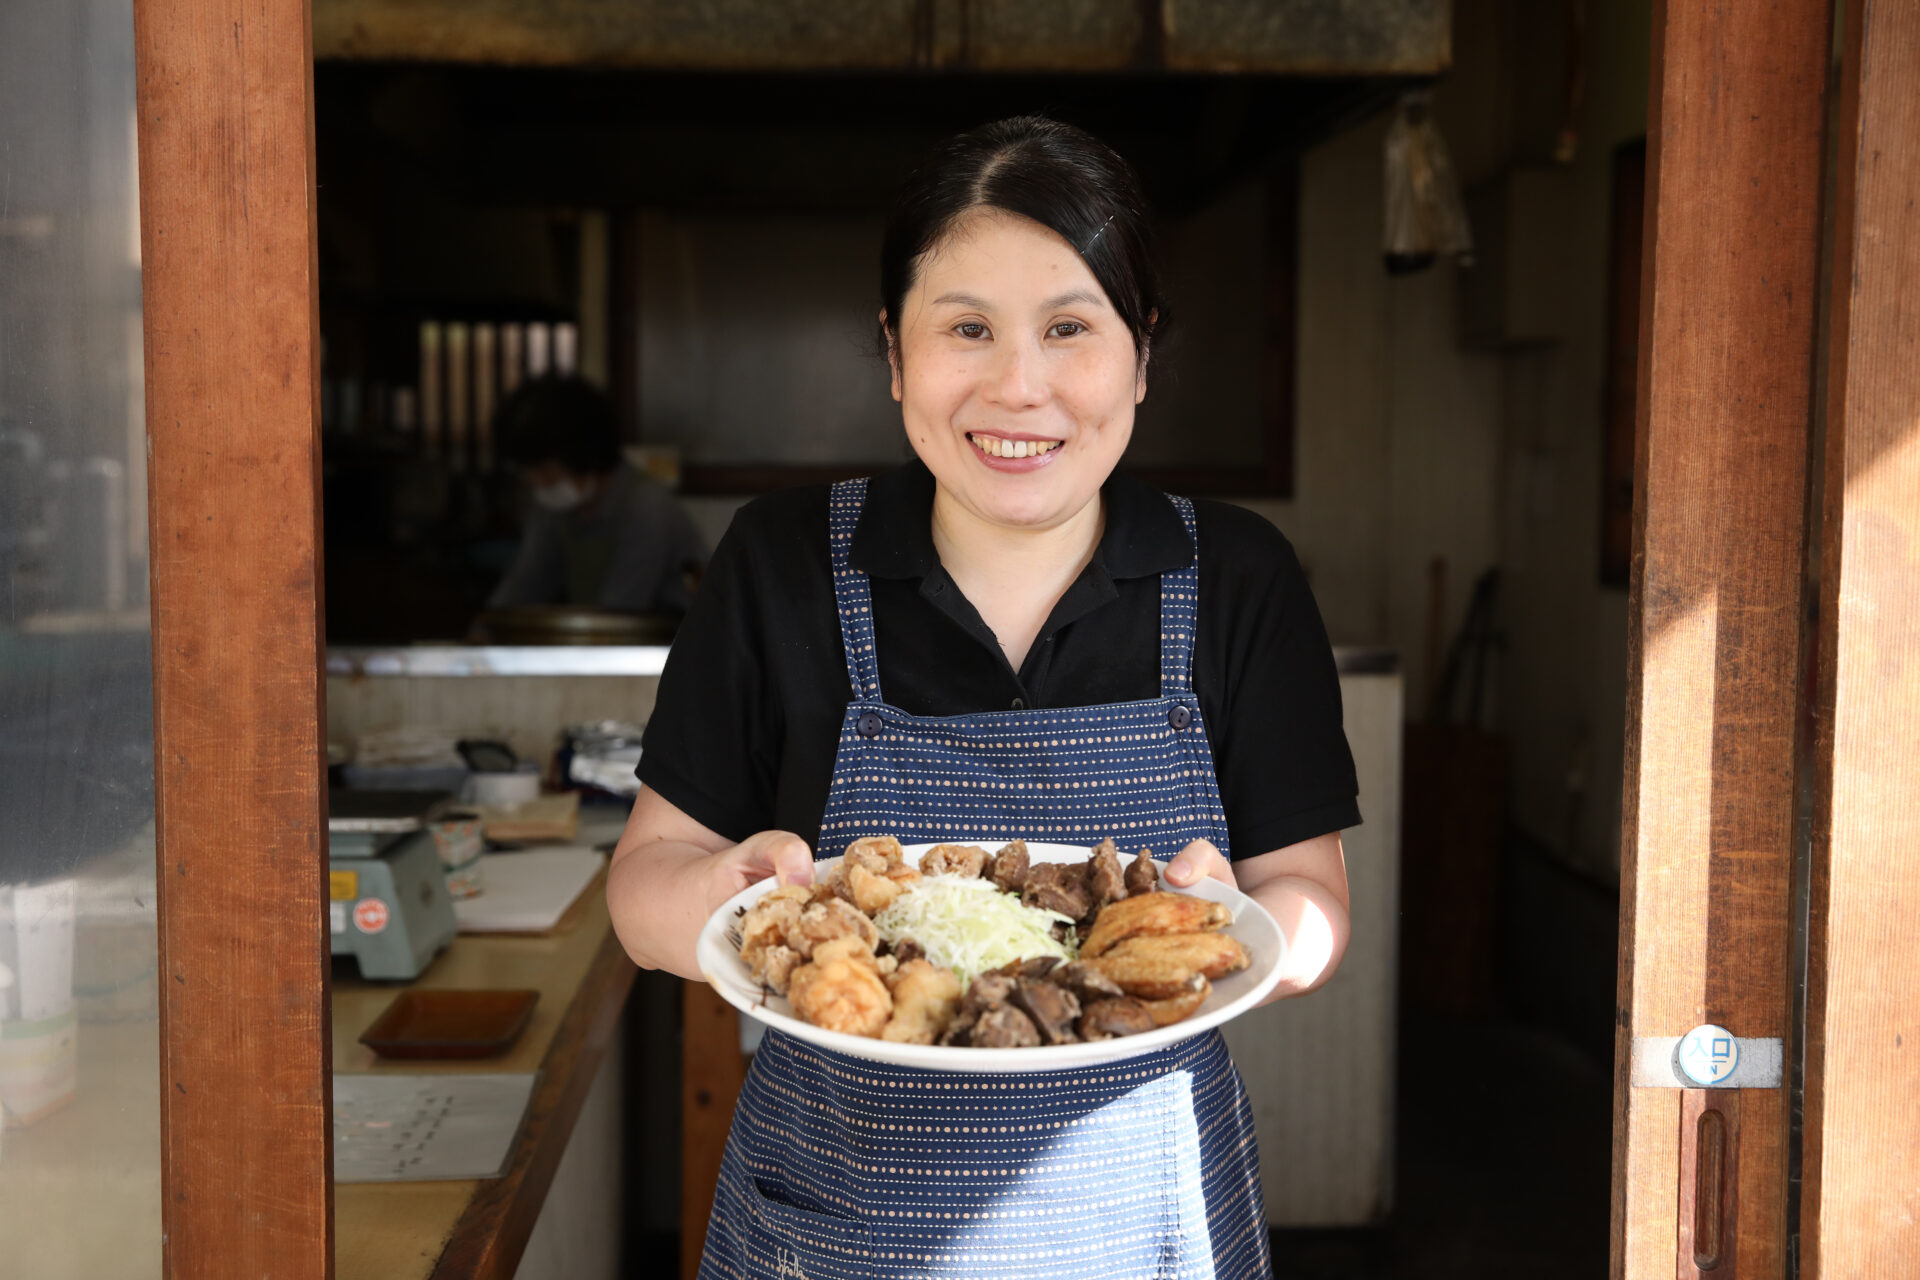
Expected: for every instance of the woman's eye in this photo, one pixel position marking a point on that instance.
(970, 329)
(1067, 329)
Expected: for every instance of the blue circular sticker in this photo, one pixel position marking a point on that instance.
(1707, 1055)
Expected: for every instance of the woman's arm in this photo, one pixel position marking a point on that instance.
(669, 874)
(1303, 886)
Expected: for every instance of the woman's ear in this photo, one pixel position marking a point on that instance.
(893, 351)
(1146, 351)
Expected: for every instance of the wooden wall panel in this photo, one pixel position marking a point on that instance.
(227, 238)
(1861, 1203)
(1727, 327)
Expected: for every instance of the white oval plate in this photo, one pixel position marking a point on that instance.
(718, 952)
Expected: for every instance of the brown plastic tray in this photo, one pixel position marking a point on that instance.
(450, 1024)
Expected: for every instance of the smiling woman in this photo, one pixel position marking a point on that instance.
(1067, 655)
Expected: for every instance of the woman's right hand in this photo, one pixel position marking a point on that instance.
(780, 854)
(669, 873)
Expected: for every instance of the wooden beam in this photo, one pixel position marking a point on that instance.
(1722, 435)
(1860, 1208)
(1309, 37)
(1300, 37)
(227, 238)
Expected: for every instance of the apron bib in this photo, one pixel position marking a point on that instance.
(838, 1168)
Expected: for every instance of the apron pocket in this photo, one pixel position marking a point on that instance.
(796, 1242)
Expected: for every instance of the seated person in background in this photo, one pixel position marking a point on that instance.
(600, 534)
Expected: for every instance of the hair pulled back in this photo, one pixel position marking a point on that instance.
(1061, 177)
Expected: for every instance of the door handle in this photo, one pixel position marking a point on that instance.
(1709, 1183)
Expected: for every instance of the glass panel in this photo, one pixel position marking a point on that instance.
(79, 1072)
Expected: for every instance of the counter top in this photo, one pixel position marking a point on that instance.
(618, 660)
(477, 1229)
(498, 660)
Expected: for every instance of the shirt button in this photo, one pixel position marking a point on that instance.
(1179, 717)
(1019, 703)
(869, 725)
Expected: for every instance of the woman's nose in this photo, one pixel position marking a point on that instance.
(1020, 378)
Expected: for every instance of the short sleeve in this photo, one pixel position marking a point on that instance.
(1270, 689)
(711, 747)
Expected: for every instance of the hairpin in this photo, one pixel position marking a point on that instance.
(1088, 247)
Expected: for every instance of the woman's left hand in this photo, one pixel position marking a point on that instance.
(1197, 861)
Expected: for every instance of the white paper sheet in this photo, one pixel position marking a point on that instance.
(408, 1128)
(527, 892)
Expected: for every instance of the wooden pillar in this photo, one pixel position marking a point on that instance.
(227, 237)
(1722, 438)
(712, 1071)
(1861, 1203)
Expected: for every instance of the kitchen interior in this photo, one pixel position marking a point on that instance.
(1442, 427)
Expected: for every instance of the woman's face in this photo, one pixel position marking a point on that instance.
(1016, 377)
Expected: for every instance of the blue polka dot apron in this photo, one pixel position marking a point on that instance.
(838, 1168)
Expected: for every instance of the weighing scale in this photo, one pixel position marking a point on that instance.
(389, 904)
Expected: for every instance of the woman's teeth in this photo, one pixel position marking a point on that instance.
(994, 446)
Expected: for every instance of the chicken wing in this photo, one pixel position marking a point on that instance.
(1167, 1012)
(1159, 966)
(1151, 913)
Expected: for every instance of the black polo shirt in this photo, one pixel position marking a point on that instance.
(747, 722)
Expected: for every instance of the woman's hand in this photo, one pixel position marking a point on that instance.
(1304, 888)
(1197, 861)
(669, 874)
(780, 854)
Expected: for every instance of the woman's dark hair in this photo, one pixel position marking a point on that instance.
(1061, 177)
(559, 419)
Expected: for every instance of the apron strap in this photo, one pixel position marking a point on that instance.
(851, 594)
(1179, 612)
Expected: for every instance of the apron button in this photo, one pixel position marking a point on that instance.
(1179, 717)
(869, 725)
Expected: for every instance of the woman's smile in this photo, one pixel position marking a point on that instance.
(1007, 452)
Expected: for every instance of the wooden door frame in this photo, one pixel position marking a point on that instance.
(1715, 650)
(225, 121)
(1861, 1158)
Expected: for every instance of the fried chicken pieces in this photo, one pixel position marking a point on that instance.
(1147, 958)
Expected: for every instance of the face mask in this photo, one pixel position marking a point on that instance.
(561, 495)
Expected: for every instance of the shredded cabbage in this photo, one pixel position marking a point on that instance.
(968, 925)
